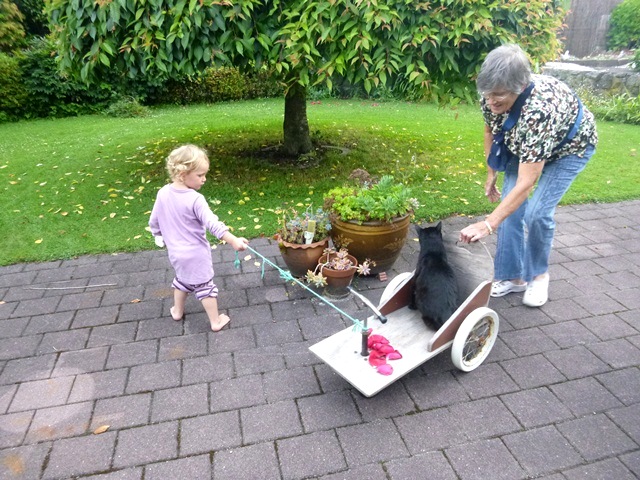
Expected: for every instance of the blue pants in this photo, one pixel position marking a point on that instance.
(526, 236)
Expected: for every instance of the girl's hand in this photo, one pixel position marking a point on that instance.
(240, 244)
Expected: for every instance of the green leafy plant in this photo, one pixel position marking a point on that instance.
(622, 108)
(624, 26)
(368, 200)
(13, 94)
(11, 30)
(127, 107)
(295, 226)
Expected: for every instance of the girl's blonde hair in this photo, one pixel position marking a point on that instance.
(185, 159)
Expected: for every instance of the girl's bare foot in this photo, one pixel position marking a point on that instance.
(175, 316)
(223, 321)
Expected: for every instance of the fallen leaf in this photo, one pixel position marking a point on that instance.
(135, 300)
(101, 429)
(39, 240)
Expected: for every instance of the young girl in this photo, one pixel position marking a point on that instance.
(179, 220)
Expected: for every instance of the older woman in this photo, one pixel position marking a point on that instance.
(551, 142)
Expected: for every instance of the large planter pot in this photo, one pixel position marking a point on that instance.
(301, 257)
(337, 280)
(381, 242)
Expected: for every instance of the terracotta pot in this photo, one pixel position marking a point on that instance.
(381, 242)
(337, 280)
(301, 257)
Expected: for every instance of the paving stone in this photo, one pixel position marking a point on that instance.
(532, 372)
(146, 444)
(135, 353)
(541, 450)
(270, 422)
(536, 407)
(376, 441)
(93, 317)
(611, 468)
(428, 431)
(484, 459)
(618, 353)
(148, 309)
(112, 334)
(596, 437)
(14, 427)
(186, 346)
(564, 310)
(53, 322)
(124, 474)
(391, 402)
(207, 369)
(53, 342)
(91, 386)
(330, 410)
(624, 384)
(585, 396)
(415, 467)
(60, 422)
(86, 360)
(13, 327)
(41, 394)
(311, 455)
(438, 390)
(39, 306)
(486, 380)
(154, 376)
(81, 455)
(117, 296)
(207, 433)
(576, 362)
(290, 384)
(231, 340)
(528, 342)
(182, 402)
(237, 393)
(78, 301)
(192, 467)
(627, 419)
(608, 327)
(158, 328)
(632, 462)
(569, 334)
(13, 347)
(122, 412)
(259, 360)
(23, 462)
(629, 297)
(370, 472)
(484, 418)
(6, 395)
(26, 369)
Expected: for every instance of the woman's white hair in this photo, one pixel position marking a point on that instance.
(506, 67)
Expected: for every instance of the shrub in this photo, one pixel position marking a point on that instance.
(13, 95)
(50, 94)
(624, 26)
(126, 107)
(11, 30)
(623, 108)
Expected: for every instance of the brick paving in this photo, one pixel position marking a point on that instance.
(558, 397)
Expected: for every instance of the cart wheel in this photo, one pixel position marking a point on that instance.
(393, 286)
(474, 339)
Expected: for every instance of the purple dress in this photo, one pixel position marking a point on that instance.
(182, 217)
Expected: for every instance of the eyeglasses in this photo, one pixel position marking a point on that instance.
(498, 97)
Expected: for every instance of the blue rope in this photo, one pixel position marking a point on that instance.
(286, 275)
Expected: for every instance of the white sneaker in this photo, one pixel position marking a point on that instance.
(537, 292)
(503, 287)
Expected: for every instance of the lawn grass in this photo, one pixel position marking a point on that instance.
(86, 185)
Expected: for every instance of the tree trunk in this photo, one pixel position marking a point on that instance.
(296, 128)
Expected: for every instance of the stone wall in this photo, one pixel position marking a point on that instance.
(609, 80)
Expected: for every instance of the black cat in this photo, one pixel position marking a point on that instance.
(435, 289)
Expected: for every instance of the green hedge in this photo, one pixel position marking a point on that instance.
(624, 26)
(13, 94)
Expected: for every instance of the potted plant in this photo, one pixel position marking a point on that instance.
(335, 271)
(371, 218)
(302, 238)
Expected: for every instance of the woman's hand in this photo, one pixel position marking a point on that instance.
(490, 189)
(475, 231)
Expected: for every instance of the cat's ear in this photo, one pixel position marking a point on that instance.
(439, 227)
(418, 228)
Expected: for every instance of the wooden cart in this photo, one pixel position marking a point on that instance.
(471, 331)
